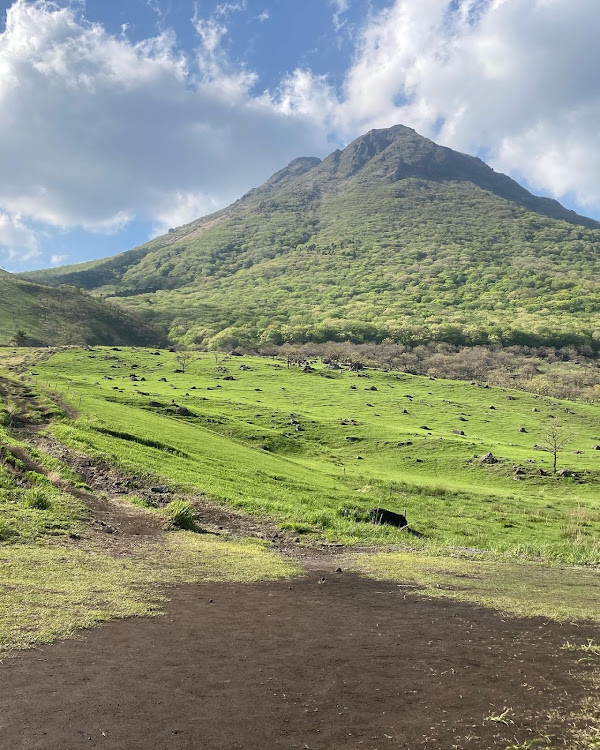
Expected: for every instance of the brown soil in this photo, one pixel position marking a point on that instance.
(341, 663)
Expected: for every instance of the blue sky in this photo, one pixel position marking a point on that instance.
(121, 119)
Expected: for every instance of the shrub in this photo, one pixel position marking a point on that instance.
(36, 499)
(180, 514)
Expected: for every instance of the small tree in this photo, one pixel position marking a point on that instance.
(20, 338)
(555, 439)
(183, 360)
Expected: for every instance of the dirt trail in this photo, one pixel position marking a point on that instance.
(345, 663)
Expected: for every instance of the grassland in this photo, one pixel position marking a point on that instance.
(56, 577)
(315, 450)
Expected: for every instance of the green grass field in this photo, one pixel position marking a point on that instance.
(53, 582)
(285, 443)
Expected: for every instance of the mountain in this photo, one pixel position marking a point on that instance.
(62, 315)
(395, 238)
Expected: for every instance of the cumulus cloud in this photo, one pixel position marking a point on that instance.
(96, 130)
(16, 239)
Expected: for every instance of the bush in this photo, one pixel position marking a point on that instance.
(36, 499)
(180, 514)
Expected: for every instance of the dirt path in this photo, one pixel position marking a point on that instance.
(347, 663)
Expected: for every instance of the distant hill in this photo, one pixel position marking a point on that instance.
(392, 238)
(60, 315)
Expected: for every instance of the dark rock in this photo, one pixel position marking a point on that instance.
(458, 432)
(154, 403)
(384, 516)
(522, 429)
(161, 489)
(489, 458)
(184, 412)
(352, 438)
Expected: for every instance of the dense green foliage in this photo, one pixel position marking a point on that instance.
(317, 449)
(37, 314)
(394, 238)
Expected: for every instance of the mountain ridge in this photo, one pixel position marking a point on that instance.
(410, 233)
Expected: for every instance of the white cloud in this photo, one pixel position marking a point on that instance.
(16, 239)
(340, 7)
(96, 130)
(182, 208)
(56, 260)
(264, 16)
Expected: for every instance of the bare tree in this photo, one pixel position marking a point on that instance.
(183, 359)
(555, 439)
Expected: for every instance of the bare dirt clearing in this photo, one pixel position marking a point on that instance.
(340, 663)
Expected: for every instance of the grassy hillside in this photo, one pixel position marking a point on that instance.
(315, 450)
(57, 316)
(393, 238)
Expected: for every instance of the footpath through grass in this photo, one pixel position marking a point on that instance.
(314, 450)
(56, 576)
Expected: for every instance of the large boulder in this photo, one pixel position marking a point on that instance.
(382, 515)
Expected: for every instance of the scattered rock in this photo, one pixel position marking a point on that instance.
(489, 458)
(352, 438)
(161, 489)
(182, 411)
(522, 429)
(458, 432)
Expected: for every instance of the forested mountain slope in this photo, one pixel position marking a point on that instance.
(38, 314)
(394, 238)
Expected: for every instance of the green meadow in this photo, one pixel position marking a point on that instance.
(315, 450)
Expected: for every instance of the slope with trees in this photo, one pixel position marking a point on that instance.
(394, 238)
